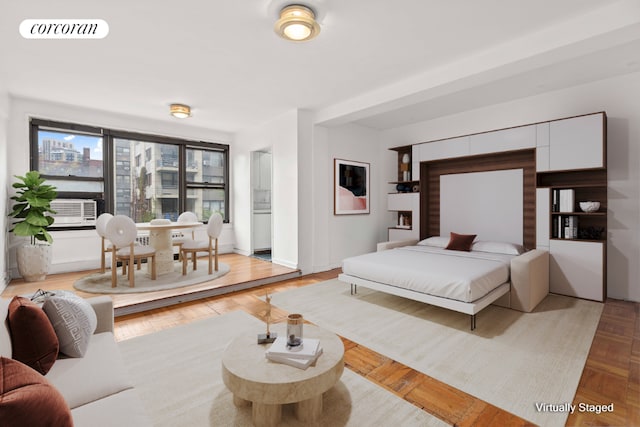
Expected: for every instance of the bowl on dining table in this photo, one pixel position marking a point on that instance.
(589, 206)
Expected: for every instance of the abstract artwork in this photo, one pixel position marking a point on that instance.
(350, 187)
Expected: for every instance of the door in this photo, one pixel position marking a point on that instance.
(261, 202)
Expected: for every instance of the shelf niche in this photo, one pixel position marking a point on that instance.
(588, 185)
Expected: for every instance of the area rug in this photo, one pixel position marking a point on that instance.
(512, 360)
(177, 373)
(100, 283)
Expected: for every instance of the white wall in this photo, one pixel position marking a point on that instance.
(4, 226)
(79, 250)
(339, 236)
(280, 135)
(619, 98)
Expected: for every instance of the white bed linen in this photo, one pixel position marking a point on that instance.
(458, 275)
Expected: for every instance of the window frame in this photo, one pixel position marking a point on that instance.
(108, 178)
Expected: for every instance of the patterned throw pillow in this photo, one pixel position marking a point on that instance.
(74, 321)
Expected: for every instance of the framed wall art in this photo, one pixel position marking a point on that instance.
(350, 187)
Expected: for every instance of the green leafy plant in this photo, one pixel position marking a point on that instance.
(32, 207)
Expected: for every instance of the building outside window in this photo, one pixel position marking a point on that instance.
(106, 165)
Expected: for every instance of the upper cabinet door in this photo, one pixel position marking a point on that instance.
(577, 143)
(444, 149)
(503, 140)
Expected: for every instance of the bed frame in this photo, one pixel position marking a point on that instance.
(529, 285)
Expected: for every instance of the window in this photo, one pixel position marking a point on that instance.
(107, 165)
(71, 159)
(206, 176)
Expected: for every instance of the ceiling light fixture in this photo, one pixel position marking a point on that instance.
(297, 23)
(180, 111)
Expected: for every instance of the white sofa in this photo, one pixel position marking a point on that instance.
(96, 386)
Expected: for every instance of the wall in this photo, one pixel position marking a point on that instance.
(339, 236)
(4, 226)
(79, 250)
(280, 135)
(618, 97)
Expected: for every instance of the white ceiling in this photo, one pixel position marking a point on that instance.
(378, 63)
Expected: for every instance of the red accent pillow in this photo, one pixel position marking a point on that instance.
(33, 339)
(461, 242)
(28, 399)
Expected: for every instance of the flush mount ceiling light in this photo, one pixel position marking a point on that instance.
(180, 111)
(297, 23)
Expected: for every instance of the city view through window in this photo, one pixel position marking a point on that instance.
(146, 175)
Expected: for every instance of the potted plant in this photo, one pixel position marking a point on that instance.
(31, 210)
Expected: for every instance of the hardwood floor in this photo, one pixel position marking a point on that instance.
(611, 373)
(243, 270)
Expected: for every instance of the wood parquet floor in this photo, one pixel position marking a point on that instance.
(611, 373)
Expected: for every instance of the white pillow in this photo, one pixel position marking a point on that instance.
(74, 321)
(497, 248)
(435, 241)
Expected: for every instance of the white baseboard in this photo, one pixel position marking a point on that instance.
(323, 268)
(284, 263)
(241, 252)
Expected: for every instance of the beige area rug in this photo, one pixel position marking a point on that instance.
(512, 360)
(101, 282)
(177, 373)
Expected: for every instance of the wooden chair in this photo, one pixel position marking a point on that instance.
(184, 217)
(210, 246)
(106, 247)
(122, 232)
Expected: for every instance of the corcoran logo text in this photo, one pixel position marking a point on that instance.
(64, 28)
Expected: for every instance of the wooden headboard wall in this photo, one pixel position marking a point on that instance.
(430, 172)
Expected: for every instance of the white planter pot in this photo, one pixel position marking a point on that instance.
(34, 262)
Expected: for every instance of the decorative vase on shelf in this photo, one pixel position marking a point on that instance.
(406, 174)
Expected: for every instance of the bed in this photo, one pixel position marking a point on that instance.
(463, 281)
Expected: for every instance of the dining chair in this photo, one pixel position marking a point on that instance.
(184, 217)
(214, 227)
(101, 229)
(122, 232)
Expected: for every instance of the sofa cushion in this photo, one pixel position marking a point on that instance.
(101, 372)
(28, 399)
(120, 409)
(74, 321)
(33, 340)
(5, 336)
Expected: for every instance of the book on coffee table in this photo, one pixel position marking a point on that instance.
(297, 363)
(307, 350)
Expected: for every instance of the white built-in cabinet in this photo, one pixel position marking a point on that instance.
(577, 143)
(576, 268)
(570, 154)
(543, 225)
(502, 140)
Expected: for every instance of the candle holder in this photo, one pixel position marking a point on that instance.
(294, 331)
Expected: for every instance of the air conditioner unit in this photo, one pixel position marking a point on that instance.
(74, 212)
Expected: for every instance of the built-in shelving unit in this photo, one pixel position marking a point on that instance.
(570, 154)
(586, 185)
(404, 198)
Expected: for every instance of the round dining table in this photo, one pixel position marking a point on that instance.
(160, 239)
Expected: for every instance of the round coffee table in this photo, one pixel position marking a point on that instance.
(266, 385)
